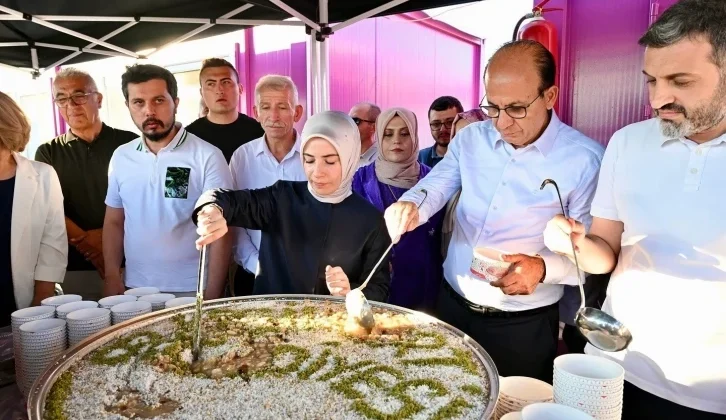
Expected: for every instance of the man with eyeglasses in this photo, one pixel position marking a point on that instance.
(81, 157)
(441, 118)
(499, 166)
(364, 114)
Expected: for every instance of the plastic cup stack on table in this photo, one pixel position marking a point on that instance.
(142, 291)
(20, 317)
(41, 342)
(157, 300)
(591, 384)
(60, 300)
(517, 392)
(111, 301)
(551, 411)
(180, 301)
(86, 322)
(62, 311)
(128, 310)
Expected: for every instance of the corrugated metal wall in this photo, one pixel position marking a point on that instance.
(603, 88)
(390, 61)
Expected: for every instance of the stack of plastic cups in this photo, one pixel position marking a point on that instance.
(125, 311)
(41, 342)
(590, 384)
(86, 322)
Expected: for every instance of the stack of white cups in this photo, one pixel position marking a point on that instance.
(590, 384)
(157, 300)
(20, 317)
(62, 311)
(57, 301)
(128, 310)
(86, 322)
(142, 291)
(180, 301)
(111, 301)
(41, 342)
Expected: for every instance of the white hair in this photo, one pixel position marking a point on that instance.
(72, 72)
(278, 83)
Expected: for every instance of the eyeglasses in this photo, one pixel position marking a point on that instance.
(515, 111)
(436, 125)
(77, 98)
(357, 121)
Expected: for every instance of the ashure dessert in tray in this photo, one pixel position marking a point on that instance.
(276, 359)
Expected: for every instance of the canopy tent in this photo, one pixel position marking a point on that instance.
(39, 35)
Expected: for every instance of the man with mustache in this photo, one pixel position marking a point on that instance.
(260, 163)
(80, 157)
(223, 126)
(658, 221)
(441, 118)
(153, 184)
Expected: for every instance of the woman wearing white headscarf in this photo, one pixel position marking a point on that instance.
(416, 263)
(317, 236)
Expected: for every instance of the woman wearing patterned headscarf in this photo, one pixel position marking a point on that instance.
(416, 263)
(317, 236)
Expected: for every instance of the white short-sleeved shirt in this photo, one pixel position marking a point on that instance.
(669, 286)
(158, 194)
(254, 166)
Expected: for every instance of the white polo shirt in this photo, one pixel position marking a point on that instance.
(254, 166)
(669, 286)
(158, 194)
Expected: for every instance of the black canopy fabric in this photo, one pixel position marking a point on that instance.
(146, 35)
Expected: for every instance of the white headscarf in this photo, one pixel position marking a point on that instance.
(340, 130)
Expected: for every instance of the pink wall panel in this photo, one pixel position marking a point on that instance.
(352, 53)
(603, 88)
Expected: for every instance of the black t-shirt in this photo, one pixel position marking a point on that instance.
(82, 169)
(227, 137)
(7, 295)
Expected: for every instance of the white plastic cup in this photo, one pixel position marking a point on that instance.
(593, 368)
(60, 300)
(88, 316)
(32, 313)
(180, 301)
(487, 264)
(63, 310)
(109, 302)
(142, 291)
(552, 411)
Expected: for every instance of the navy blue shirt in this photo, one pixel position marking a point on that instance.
(7, 295)
(429, 157)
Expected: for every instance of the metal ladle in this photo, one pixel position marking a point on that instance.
(197, 323)
(599, 329)
(356, 303)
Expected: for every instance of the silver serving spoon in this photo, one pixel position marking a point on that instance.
(197, 323)
(356, 303)
(600, 329)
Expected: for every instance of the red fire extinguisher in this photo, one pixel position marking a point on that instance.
(536, 28)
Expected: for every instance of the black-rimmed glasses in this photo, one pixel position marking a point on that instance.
(437, 125)
(515, 111)
(357, 121)
(77, 98)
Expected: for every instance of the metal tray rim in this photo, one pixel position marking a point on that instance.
(43, 384)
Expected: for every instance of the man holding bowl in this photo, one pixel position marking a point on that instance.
(499, 165)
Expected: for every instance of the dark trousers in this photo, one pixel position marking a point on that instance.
(244, 281)
(574, 341)
(641, 405)
(521, 344)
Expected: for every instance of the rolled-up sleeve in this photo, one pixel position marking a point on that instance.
(53, 251)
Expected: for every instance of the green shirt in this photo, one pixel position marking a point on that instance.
(82, 168)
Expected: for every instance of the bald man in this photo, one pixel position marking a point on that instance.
(499, 166)
(81, 157)
(364, 114)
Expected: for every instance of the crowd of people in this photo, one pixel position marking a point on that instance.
(101, 210)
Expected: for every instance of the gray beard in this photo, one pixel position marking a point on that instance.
(700, 119)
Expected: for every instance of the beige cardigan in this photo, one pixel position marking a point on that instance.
(38, 242)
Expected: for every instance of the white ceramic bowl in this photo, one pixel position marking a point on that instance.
(525, 390)
(487, 264)
(142, 291)
(110, 301)
(551, 411)
(59, 300)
